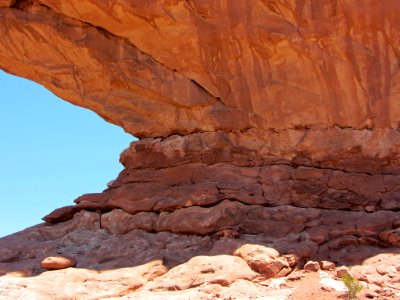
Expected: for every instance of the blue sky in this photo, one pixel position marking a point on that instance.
(51, 152)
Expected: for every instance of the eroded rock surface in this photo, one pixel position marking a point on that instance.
(164, 265)
(270, 123)
(185, 66)
(284, 184)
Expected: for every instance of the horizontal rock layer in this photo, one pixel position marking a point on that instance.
(112, 240)
(267, 122)
(254, 182)
(165, 265)
(272, 105)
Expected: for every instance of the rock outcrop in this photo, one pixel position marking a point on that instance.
(277, 120)
(256, 182)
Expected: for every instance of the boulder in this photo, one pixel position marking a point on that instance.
(220, 269)
(57, 263)
(311, 266)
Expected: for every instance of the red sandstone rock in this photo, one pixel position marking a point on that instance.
(319, 234)
(278, 268)
(371, 224)
(81, 220)
(61, 214)
(306, 249)
(311, 266)
(278, 125)
(119, 222)
(6, 3)
(7, 254)
(188, 195)
(261, 259)
(203, 77)
(224, 119)
(99, 249)
(292, 259)
(386, 269)
(295, 276)
(221, 269)
(327, 265)
(342, 270)
(391, 236)
(81, 283)
(197, 220)
(57, 263)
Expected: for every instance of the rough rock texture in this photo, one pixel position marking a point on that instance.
(270, 122)
(164, 265)
(57, 263)
(184, 66)
(272, 107)
(205, 183)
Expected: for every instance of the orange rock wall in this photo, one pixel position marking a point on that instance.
(162, 67)
(241, 106)
(263, 122)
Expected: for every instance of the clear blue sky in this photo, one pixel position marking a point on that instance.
(51, 152)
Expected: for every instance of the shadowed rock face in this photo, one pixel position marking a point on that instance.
(277, 119)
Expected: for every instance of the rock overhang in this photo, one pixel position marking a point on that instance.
(268, 109)
(183, 67)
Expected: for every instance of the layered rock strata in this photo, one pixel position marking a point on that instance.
(267, 122)
(113, 263)
(282, 185)
(273, 103)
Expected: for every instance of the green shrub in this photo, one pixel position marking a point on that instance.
(353, 286)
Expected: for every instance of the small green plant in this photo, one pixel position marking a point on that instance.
(353, 286)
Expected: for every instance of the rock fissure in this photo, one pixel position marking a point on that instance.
(294, 166)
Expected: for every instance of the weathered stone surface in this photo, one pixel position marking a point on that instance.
(249, 126)
(391, 237)
(327, 265)
(292, 259)
(73, 283)
(81, 220)
(343, 270)
(220, 269)
(202, 194)
(312, 266)
(57, 263)
(197, 220)
(273, 123)
(317, 64)
(235, 179)
(358, 151)
(119, 222)
(260, 259)
(61, 214)
(142, 265)
(6, 3)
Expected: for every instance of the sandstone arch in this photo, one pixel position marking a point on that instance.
(268, 117)
(185, 66)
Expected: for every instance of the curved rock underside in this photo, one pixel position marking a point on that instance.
(161, 67)
(276, 120)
